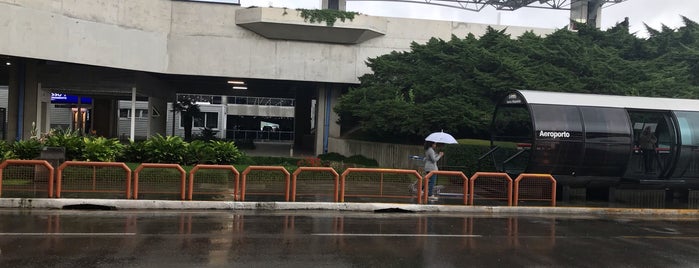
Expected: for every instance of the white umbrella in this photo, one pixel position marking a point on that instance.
(441, 137)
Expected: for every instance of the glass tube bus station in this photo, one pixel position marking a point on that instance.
(587, 139)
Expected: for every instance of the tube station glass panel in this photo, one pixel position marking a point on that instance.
(559, 141)
(688, 161)
(608, 141)
(512, 133)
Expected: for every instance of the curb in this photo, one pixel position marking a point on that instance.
(48, 203)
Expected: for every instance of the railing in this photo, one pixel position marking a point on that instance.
(381, 171)
(159, 189)
(267, 168)
(332, 171)
(491, 186)
(535, 187)
(26, 183)
(223, 186)
(447, 173)
(378, 183)
(103, 184)
(260, 135)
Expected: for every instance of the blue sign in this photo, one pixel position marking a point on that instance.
(64, 98)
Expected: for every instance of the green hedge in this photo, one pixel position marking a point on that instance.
(464, 158)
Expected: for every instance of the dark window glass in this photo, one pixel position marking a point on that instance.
(554, 122)
(512, 123)
(212, 120)
(198, 120)
(606, 125)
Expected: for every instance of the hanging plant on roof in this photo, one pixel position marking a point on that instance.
(329, 16)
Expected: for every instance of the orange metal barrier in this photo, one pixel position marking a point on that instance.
(94, 186)
(536, 187)
(159, 189)
(220, 167)
(491, 186)
(317, 169)
(33, 183)
(446, 173)
(381, 171)
(286, 173)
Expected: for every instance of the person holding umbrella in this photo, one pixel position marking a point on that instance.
(431, 158)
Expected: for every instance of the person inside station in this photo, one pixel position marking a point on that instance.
(647, 141)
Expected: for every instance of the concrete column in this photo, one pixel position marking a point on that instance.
(326, 118)
(23, 99)
(42, 109)
(586, 11)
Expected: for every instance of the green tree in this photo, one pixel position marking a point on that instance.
(188, 109)
(452, 85)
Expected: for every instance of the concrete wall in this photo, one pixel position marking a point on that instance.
(388, 155)
(197, 38)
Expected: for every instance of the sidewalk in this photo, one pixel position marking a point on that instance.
(118, 204)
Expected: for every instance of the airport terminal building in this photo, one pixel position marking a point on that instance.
(107, 66)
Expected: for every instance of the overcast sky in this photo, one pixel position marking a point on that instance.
(652, 12)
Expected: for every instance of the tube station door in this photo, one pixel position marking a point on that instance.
(663, 156)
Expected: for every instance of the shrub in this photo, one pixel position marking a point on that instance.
(27, 149)
(101, 149)
(224, 152)
(134, 152)
(362, 160)
(464, 158)
(72, 141)
(170, 149)
(197, 152)
(332, 157)
(273, 161)
(6, 151)
(309, 162)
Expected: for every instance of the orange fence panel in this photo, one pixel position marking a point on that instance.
(214, 184)
(390, 187)
(491, 186)
(317, 185)
(159, 183)
(94, 178)
(535, 187)
(265, 185)
(447, 173)
(26, 177)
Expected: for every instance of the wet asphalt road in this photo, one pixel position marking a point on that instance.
(63, 238)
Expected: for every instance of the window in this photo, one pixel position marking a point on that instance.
(126, 113)
(203, 120)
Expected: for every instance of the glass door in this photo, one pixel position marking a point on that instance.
(654, 145)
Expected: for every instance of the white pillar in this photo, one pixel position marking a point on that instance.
(132, 134)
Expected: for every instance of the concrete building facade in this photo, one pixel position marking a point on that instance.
(151, 50)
